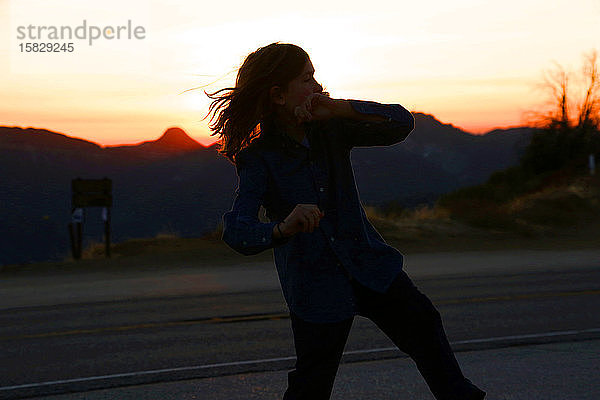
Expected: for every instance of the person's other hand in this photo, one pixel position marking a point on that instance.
(303, 218)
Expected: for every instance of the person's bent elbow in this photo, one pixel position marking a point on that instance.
(405, 128)
(248, 240)
(411, 125)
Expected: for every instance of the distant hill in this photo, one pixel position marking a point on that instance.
(173, 142)
(435, 158)
(176, 185)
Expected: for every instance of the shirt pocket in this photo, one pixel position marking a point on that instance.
(311, 251)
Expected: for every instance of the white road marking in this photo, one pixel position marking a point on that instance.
(270, 360)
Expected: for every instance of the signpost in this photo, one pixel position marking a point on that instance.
(89, 193)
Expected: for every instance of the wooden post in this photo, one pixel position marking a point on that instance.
(79, 242)
(73, 243)
(75, 232)
(107, 231)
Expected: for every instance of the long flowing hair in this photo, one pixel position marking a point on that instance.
(238, 112)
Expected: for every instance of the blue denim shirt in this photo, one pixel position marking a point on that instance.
(277, 172)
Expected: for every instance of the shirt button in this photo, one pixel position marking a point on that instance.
(332, 238)
(264, 239)
(244, 243)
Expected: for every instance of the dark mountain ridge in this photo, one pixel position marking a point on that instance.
(176, 185)
(34, 139)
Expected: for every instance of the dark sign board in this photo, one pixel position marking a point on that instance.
(91, 193)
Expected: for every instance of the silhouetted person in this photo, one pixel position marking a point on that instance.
(290, 143)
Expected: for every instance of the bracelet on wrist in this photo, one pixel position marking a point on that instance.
(279, 230)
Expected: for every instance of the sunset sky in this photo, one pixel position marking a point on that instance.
(470, 63)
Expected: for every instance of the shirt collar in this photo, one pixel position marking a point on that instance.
(272, 130)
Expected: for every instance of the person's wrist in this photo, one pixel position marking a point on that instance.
(281, 235)
(343, 108)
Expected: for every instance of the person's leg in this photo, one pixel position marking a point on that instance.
(413, 323)
(319, 348)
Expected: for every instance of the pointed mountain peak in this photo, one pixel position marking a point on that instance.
(176, 138)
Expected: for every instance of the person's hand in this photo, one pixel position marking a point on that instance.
(303, 218)
(317, 106)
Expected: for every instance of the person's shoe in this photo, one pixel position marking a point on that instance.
(478, 395)
(468, 391)
(473, 393)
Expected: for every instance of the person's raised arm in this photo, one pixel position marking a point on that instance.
(364, 123)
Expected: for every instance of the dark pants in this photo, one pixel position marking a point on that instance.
(407, 317)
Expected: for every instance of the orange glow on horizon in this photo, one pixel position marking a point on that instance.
(468, 63)
(465, 120)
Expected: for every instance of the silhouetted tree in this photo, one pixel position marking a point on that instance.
(563, 140)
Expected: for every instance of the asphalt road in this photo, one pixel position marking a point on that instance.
(223, 330)
(560, 370)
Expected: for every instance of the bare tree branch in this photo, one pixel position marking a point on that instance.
(590, 106)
